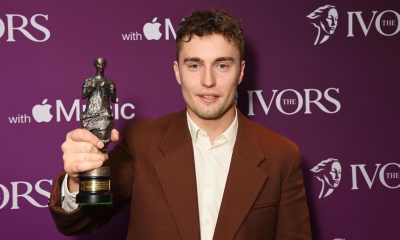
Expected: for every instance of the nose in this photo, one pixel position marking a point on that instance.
(336, 175)
(208, 79)
(333, 23)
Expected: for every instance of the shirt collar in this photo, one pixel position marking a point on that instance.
(230, 133)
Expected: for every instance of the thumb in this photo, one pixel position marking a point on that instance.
(114, 135)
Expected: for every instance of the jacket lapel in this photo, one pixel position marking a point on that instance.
(176, 171)
(245, 180)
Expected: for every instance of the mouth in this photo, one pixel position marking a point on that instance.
(208, 98)
(336, 183)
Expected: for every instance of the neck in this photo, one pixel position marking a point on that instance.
(215, 127)
(100, 73)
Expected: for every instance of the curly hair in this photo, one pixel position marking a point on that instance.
(207, 22)
(319, 11)
(320, 167)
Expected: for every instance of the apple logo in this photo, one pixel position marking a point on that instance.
(152, 30)
(41, 112)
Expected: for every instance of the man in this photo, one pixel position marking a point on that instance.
(203, 173)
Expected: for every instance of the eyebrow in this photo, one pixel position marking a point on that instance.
(224, 59)
(192, 59)
(220, 59)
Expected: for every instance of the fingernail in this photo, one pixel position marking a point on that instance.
(100, 144)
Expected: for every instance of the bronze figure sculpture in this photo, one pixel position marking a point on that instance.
(99, 90)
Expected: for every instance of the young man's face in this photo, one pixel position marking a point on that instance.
(208, 71)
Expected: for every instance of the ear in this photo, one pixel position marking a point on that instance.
(241, 74)
(176, 70)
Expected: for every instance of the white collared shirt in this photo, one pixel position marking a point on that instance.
(212, 163)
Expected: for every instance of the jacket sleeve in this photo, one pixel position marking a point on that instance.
(88, 218)
(293, 216)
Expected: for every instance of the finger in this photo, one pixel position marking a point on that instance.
(74, 169)
(114, 135)
(79, 147)
(80, 162)
(84, 157)
(84, 135)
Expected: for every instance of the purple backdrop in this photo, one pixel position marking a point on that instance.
(336, 96)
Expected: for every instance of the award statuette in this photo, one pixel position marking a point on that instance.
(95, 185)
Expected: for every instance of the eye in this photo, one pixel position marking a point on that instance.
(331, 18)
(223, 67)
(193, 66)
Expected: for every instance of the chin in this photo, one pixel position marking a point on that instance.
(210, 116)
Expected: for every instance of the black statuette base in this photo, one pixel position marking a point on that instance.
(87, 198)
(95, 187)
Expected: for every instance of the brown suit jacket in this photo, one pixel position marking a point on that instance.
(153, 167)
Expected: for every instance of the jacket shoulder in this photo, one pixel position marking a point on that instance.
(270, 141)
(282, 156)
(153, 128)
(266, 134)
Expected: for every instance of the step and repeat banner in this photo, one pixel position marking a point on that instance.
(326, 74)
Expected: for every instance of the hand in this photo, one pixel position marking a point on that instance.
(81, 152)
